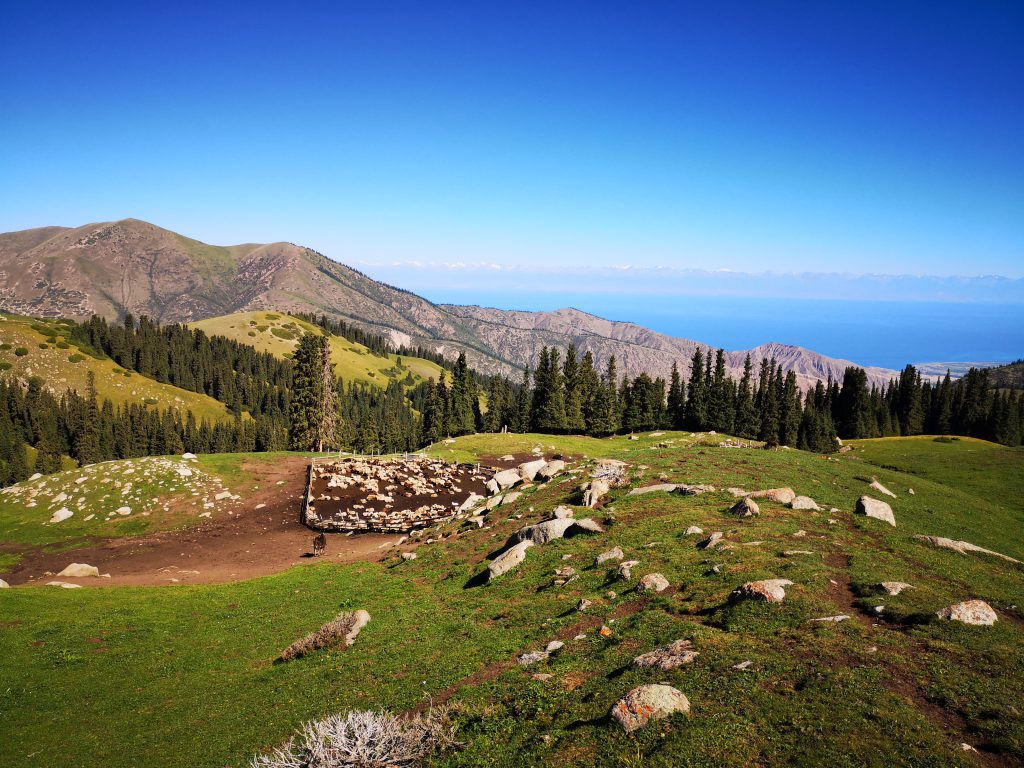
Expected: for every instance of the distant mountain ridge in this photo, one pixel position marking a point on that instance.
(132, 266)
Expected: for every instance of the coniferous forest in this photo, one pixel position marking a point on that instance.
(301, 404)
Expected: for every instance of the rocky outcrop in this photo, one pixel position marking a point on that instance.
(653, 582)
(778, 495)
(804, 502)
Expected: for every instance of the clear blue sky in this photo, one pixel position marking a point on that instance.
(799, 137)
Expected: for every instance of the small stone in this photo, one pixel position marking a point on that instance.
(668, 656)
(554, 646)
(583, 604)
(605, 631)
(804, 502)
(693, 530)
(832, 619)
(409, 556)
(876, 509)
(742, 665)
(527, 659)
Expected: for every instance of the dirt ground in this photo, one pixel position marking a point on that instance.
(249, 543)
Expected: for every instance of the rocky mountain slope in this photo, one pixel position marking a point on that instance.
(133, 266)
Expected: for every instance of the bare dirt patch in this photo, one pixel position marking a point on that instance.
(248, 543)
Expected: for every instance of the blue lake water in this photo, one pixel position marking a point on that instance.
(884, 333)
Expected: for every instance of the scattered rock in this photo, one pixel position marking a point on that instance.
(693, 530)
(124, 511)
(881, 488)
(893, 587)
(962, 547)
(648, 702)
(742, 665)
(554, 646)
(565, 575)
(583, 604)
(594, 491)
(712, 541)
(653, 582)
(65, 584)
(563, 512)
(551, 469)
(668, 656)
(61, 514)
(778, 495)
(510, 498)
(528, 470)
(471, 501)
(766, 590)
(795, 552)
(222, 495)
(508, 559)
(507, 478)
(605, 631)
(694, 490)
(626, 569)
(4, 584)
(528, 659)
(188, 456)
(615, 553)
(409, 556)
(831, 619)
(746, 507)
(80, 571)
(975, 612)
(876, 509)
(804, 502)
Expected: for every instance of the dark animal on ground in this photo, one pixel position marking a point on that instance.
(319, 544)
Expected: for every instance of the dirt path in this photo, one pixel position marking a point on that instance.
(251, 542)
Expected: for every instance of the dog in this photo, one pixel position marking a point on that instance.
(319, 544)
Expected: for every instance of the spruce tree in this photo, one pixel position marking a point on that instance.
(574, 423)
(676, 400)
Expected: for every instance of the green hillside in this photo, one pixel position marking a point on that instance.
(279, 334)
(185, 676)
(43, 348)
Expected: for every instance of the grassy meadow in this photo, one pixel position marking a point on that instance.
(279, 334)
(183, 676)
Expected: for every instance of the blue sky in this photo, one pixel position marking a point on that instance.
(439, 144)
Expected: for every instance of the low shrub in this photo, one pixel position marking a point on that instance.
(63, 345)
(76, 358)
(5, 346)
(5, 366)
(21, 351)
(43, 345)
(362, 739)
(341, 630)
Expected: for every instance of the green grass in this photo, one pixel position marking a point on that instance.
(181, 676)
(279, 334)
(62, 371)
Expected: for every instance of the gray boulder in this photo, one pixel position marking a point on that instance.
(766, 591)
(976, 612)
(646, 703)
(528, 470)
(876, 509)
(653, 582)
(508, 559)
(507, 478)
(615, 553)
(668, 656)
(746, 507)
(804, 502)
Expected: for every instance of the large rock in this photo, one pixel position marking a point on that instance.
(4, 584)
(556, 528)
(470, 502)
(551, 469)
(694, 490)
(594, 491)
(648, 702)
(746, 507)
(626, 569)
(79, 571)
(615, 553)
(668, 656)
(653, 582)
(778, 495)
(563, 511)
(64, 584)
(507, 478)
(528, 470)
(804, 502)
(508, 559)
(962, 547)
(976, 612)
(693, 530)
(876, 509)
(712, 541)
(881, 489)
(766, 591)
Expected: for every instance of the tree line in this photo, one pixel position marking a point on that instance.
(568, 395)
